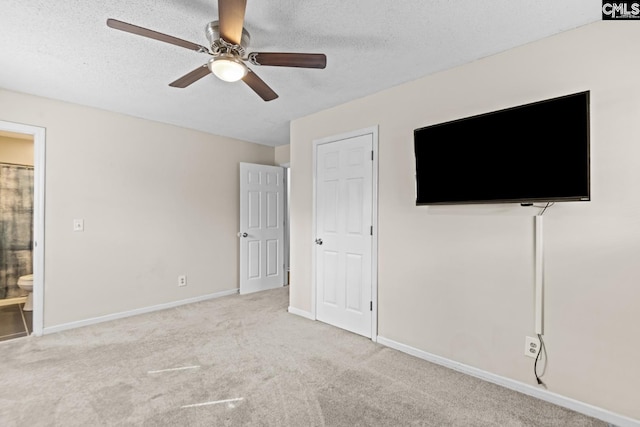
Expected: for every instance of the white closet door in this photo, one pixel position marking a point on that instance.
(344, 191)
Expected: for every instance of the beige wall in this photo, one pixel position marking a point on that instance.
(282, 154)
(16, 150)
(157, 200)
(458, 281)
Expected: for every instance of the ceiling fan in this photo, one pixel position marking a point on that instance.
(228, 43)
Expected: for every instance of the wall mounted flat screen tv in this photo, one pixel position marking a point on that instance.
(537, 152)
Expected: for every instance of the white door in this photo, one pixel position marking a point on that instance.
(261, 227)
(344, 228)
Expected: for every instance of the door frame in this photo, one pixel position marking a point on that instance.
(39, 136)
(373, 131)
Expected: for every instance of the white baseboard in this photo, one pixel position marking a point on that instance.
(122, 314)
(301, 313)
(556, 399)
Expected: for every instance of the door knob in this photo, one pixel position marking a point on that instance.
(318, 241)
(242, 234)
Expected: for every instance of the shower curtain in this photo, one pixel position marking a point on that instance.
(16, 227)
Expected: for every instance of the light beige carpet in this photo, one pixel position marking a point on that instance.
(243, 360)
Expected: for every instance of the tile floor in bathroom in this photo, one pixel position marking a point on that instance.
(14, 322)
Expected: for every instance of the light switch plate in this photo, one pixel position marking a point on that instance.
(78, 225)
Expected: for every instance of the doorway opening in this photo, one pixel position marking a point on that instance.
(21, 230)
(287, 228)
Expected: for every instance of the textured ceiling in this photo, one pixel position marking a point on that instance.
(64, 50)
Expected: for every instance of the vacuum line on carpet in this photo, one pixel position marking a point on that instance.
(194, 405)
(174, 369)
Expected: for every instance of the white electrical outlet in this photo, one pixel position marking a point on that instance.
(182, 280)
(531, 346)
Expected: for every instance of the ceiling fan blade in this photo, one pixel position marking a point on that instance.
(231, 19)
(278, 59)
(191, 77)
(134, 29)
(259, 86)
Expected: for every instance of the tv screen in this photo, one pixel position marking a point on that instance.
(537, 152)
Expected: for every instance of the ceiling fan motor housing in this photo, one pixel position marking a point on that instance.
(218, 45)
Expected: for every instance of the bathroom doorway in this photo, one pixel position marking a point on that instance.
(21, 227)
(16, 233)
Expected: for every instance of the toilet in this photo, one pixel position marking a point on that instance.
(26, 283)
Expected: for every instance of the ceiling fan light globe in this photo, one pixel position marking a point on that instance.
(228, 68)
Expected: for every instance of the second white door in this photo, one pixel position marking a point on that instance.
(344, 229)
(261, 227)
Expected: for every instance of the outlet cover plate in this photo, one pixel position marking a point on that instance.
(531, 346)
(182, 280)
